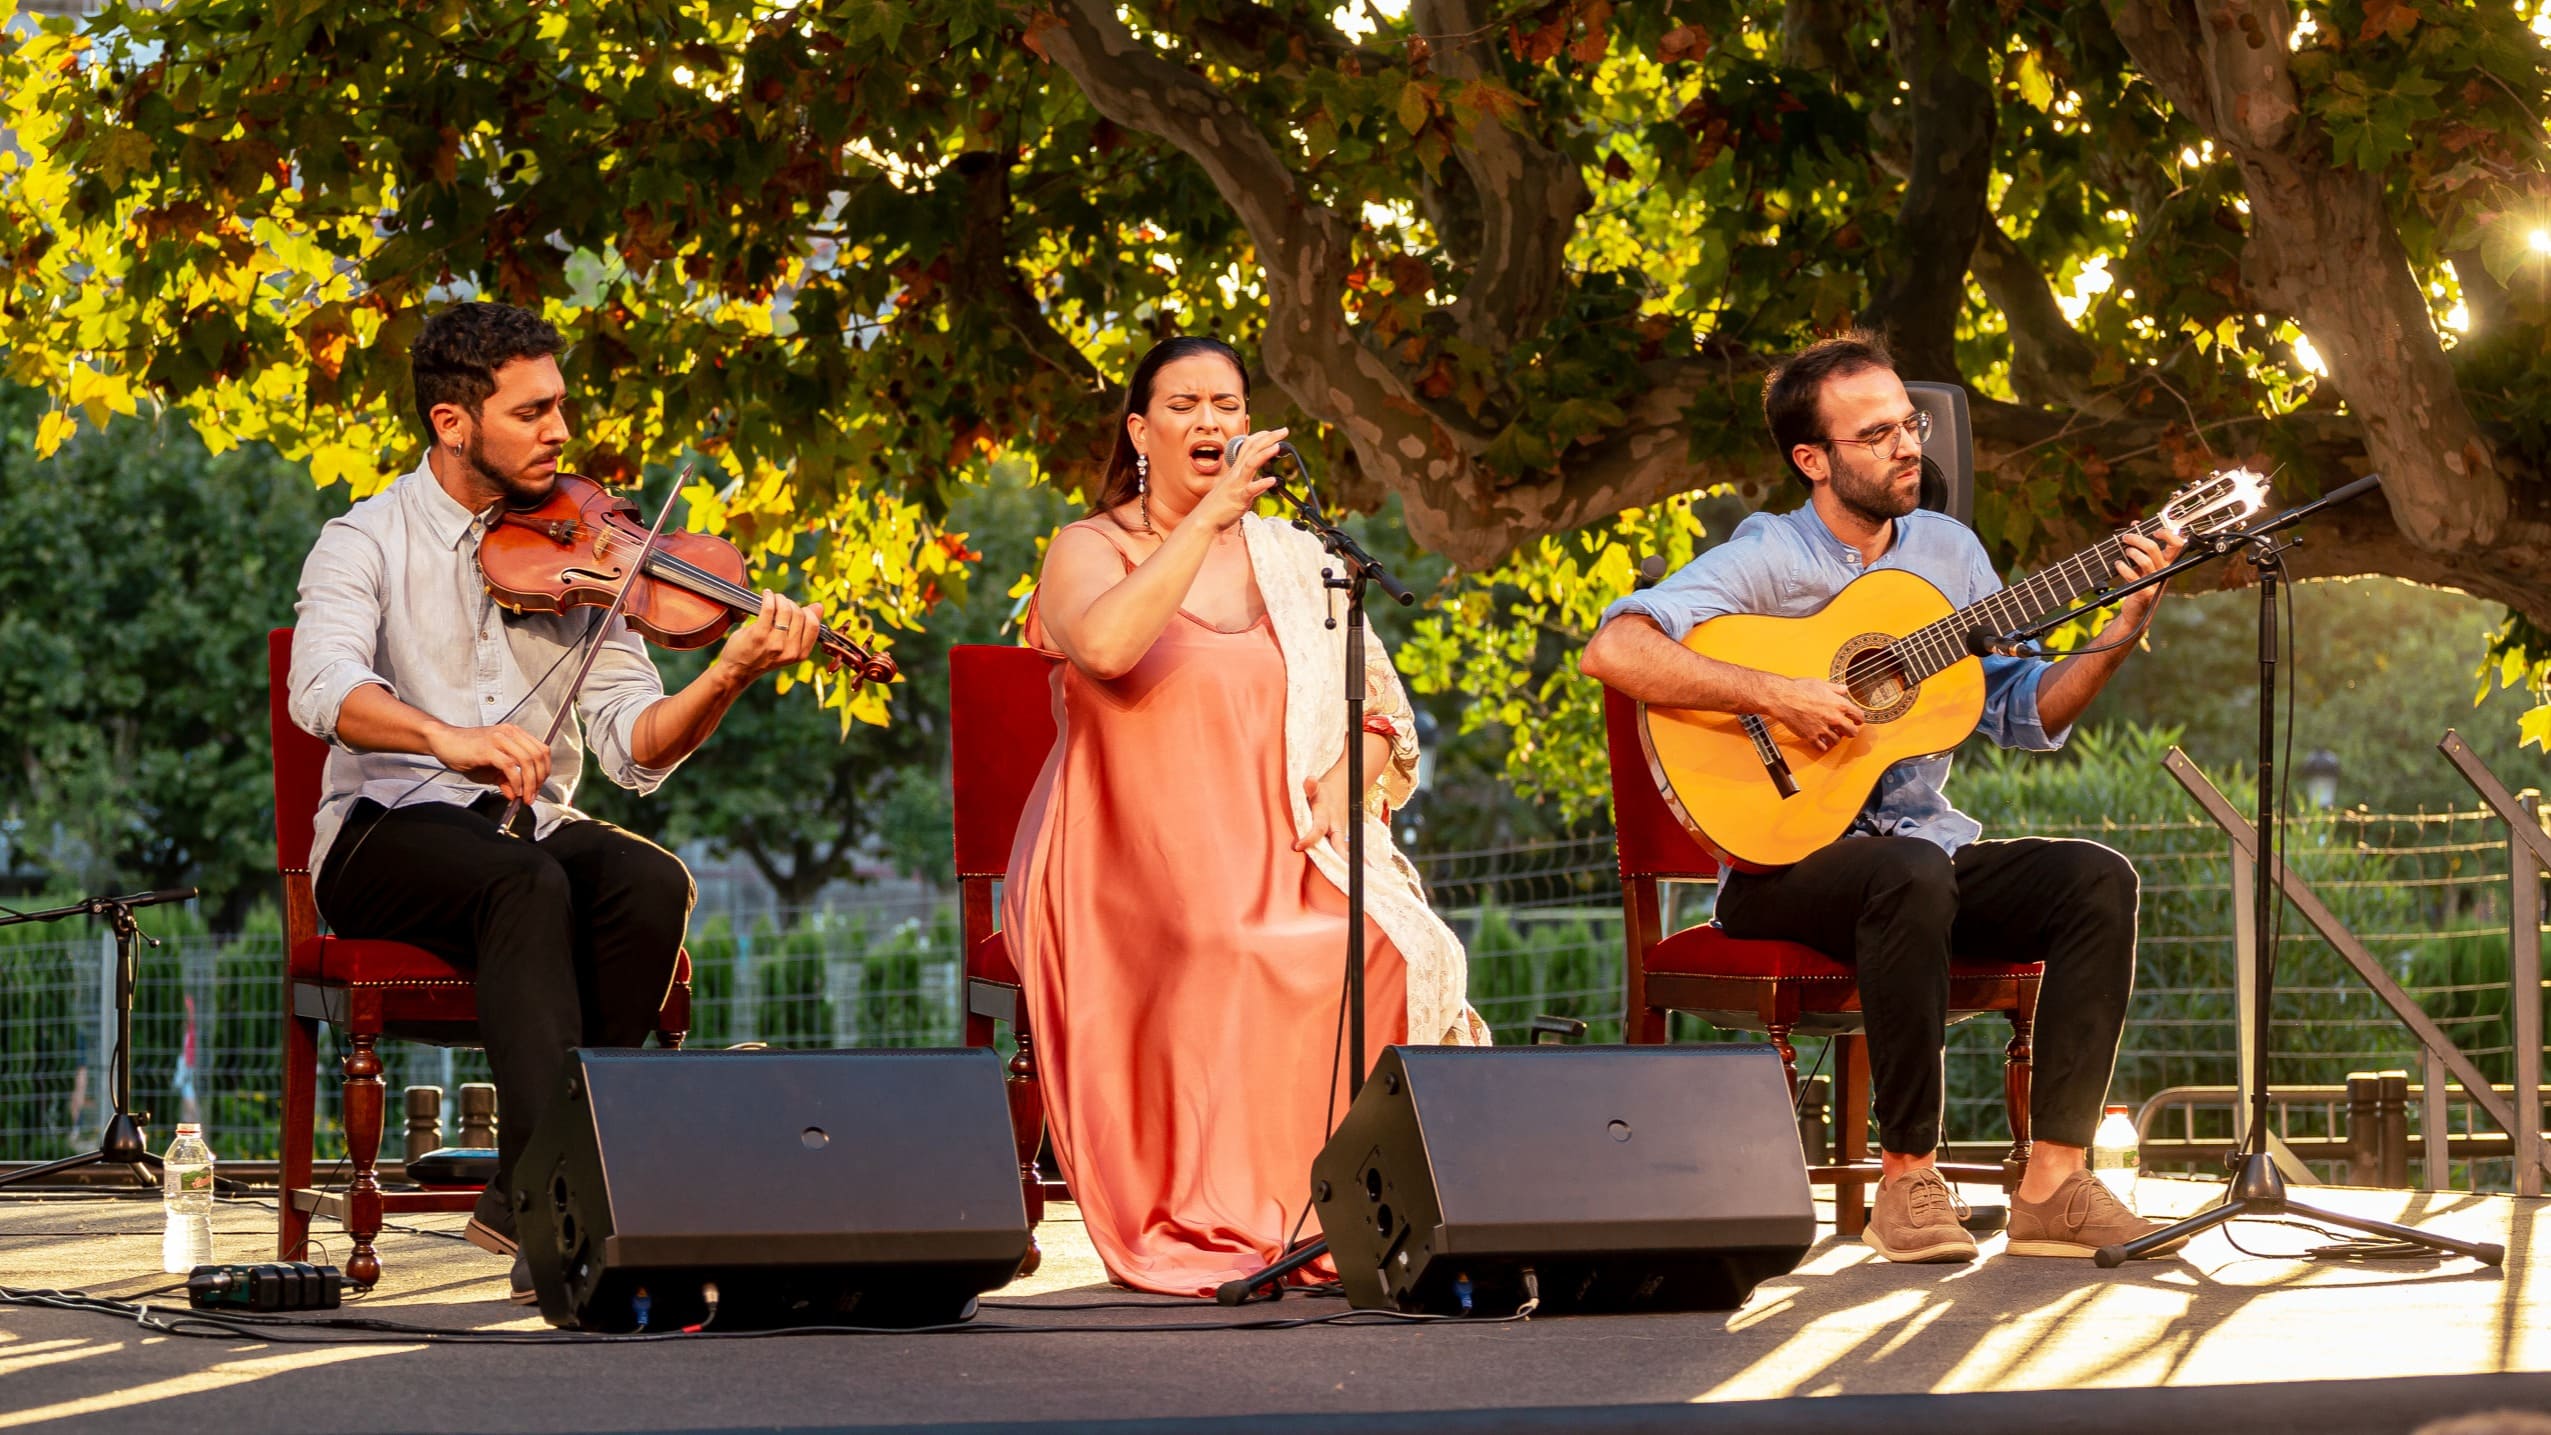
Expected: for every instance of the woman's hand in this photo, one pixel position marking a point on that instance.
(1327, 796)
(1327, 793)
(1237, 490)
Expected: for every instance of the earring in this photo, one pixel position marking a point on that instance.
(1142, 488)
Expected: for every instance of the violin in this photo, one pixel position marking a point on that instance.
(574, 548)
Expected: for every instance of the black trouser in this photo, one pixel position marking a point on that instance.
(573, 937)
(1895, 907)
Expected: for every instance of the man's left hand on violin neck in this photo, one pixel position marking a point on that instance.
(782, 635)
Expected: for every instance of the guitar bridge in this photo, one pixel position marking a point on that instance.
(1774, 764)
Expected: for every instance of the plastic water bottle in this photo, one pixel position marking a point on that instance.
(2113, 1157)
(186, 1188)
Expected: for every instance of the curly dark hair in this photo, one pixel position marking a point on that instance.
(1793, 395)
(456, 355)
(1116, 486)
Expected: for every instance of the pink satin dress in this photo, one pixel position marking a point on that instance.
(1182, 963)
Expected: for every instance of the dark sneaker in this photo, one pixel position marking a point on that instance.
(521, 1292)
(1915, 1218)
(2082, 1216)
(491, 1225)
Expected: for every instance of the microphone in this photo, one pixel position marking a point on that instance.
(1231, 450)
(1983, 642)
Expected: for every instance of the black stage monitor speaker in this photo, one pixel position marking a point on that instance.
(1948, 460)
(808, 1187)
(1619, 1178)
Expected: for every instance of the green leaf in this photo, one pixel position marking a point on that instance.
(1413, 106)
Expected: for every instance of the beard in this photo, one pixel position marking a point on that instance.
(1874, 494)
(522, 488)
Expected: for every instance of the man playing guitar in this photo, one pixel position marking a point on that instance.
(1910, 882)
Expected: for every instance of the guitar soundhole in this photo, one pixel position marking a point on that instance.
(1876, 678)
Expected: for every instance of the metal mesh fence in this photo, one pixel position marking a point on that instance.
(2428, 893)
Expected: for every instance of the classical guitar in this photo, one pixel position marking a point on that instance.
(1759, 797)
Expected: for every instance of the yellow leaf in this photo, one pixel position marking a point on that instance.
(56, 427)
(2036, 86)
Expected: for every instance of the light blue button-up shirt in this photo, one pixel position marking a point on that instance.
(1788, 565)
(391, 595)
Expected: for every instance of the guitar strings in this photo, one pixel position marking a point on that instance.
(1929, 649)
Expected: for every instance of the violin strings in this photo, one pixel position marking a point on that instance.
(610, 543)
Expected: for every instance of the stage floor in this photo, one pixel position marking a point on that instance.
(1845, 1325)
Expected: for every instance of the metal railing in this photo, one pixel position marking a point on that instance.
(2442, 1061)
(2428, 897)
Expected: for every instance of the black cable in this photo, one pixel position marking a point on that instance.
(368, 1330)
(1798, 1103)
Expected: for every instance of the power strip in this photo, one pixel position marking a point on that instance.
(294, 1286)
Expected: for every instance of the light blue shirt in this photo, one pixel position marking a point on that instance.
(391, 596)
(1788, 565)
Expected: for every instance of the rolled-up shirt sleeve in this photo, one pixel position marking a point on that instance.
(1734, 577)
(2010, 705)
(336, 627)
(624, 683)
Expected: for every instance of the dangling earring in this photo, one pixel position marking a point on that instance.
(1142, 487)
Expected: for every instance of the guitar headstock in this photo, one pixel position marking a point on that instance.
(2222, 499)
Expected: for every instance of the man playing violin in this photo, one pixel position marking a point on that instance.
(430, 697)
(1910, 883)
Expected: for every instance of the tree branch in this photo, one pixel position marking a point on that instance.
(2324, 249)
(1527, 195)
(2051, 362)
(1941, 48)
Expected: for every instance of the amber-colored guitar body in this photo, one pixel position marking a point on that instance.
(1708, 767)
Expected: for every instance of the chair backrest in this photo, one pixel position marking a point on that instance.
(1647, 837)
(1000, 728)
(1948, 460)
(299, 761)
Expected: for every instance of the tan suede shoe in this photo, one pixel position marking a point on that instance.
(2077, 1220)
(1915, 1218)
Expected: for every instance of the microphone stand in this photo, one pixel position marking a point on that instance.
(2257, 1187)
(123, 1143)
(1360, 568)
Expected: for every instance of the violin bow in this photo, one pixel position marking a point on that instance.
(593, 644)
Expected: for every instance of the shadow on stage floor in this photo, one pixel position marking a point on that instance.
(2260, 1338)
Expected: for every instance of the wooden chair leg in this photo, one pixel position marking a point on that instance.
(2018, 1069)
(1027, 1134)
(673, 1021)
(363, 1151)
(1851, 1132)
(1779, 1035)
(300, 1123)
(1647, 1026)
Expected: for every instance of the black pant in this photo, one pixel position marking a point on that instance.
(573, 937)
(1895, 907)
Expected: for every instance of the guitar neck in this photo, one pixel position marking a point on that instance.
(1935, 648)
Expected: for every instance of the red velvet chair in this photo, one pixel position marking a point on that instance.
(1782, 989)
(1000, 730)
(366, 990)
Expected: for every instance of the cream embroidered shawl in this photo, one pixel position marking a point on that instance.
(1288, 563)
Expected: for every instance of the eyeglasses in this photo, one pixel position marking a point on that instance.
(1889, 438)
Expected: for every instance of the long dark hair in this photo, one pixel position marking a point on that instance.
(1116, 486)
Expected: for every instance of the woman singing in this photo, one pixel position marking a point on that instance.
(1176, 902)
